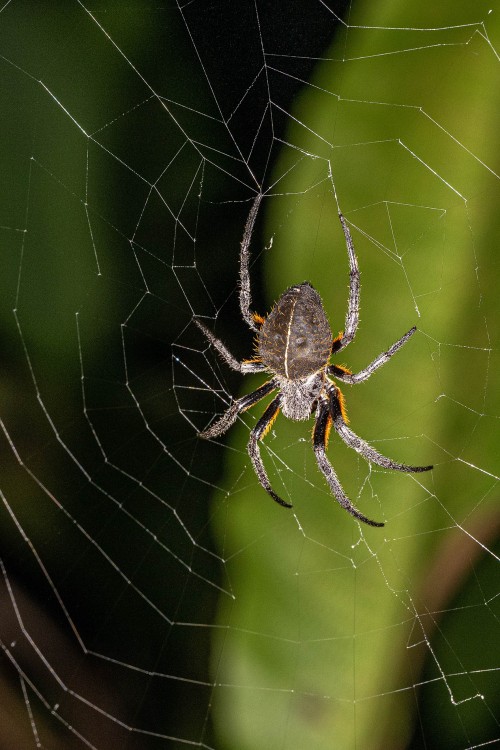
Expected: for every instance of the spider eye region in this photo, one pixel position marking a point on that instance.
(296, 340)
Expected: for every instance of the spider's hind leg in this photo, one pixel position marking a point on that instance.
(320, 436)
(259, 431)
(359, 445)
(237, 407)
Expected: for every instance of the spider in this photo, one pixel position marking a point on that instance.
(294, 344)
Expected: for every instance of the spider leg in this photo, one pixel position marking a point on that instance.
(321, 429)
(241, 404)
(358, 377)
(245, 294)
(359, 445)
(258, 433)
(352, 315)
(244, 367)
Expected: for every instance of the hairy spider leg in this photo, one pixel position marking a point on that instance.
(245, 293)
(237, 407)
(352, 315)
(320, 435)
(243, 367)
(258, 433)
(359, 445)
(342, 373)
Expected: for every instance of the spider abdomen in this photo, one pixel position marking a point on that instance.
(295, 340)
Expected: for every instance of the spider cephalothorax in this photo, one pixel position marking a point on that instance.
(294, 345)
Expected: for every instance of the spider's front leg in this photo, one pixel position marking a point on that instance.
(259, 431)
(320, 436)
(237, 407)
(243, 367)
(245, 293)
(352, 315)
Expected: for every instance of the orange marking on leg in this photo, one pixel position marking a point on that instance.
(258, 318)
(327, 430)
(271, 422)
(342, 406)
(250, 361)
(337, 338)
(344, 369)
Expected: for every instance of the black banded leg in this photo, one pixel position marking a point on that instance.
(321, 428)
(359, 445)
(258, 433)
(242, 404)
(358, 377)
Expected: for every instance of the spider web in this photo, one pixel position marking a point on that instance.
(153, 596)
